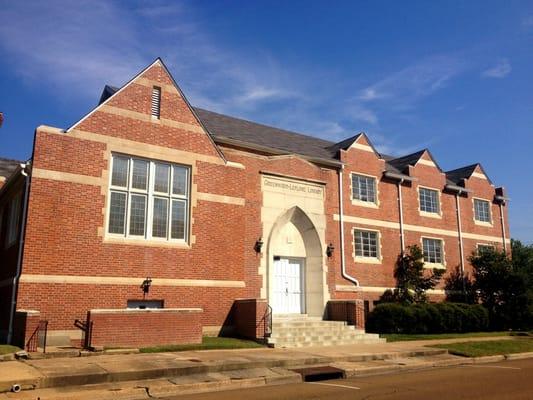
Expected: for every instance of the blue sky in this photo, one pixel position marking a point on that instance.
(454, 76)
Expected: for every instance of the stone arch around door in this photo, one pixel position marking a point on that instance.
(294, 237)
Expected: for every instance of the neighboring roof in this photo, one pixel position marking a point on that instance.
(107, 93)
(7, 166)
(225, 127)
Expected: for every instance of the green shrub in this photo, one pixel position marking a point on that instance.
(427, 318)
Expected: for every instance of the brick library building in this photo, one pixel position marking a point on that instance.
(150, 221)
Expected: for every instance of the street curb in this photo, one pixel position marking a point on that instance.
(172, 388)
(95, 374)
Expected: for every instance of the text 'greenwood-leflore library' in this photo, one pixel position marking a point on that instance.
(150, 221)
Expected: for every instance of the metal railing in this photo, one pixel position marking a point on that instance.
(38, 336)
(87, 328)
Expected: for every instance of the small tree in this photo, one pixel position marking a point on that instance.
(412, 279)
(460, 288)
(502, 290)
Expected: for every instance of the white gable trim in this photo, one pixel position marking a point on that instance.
(478, 175)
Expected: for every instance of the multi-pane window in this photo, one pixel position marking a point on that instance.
(363, 188)
(482, 210)
(484, 248)
(366, 244)
(148, 199)
(432, 249)
(429, 200)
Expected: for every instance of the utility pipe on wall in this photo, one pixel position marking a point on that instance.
(502, 201)
(341, 222)
(400, 208)
(400, 179)
(503, 227)
(20, 250)
(460, 231)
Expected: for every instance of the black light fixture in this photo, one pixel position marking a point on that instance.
(329, 250)
(145, 286)
(258, 245)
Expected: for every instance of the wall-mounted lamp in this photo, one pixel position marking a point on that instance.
(145, 286)
(329, 250)
(258, 245)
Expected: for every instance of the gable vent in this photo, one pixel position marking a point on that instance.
(156, 102)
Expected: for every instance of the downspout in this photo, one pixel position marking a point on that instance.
(22, 233)
(341, 222)
(503, 227)
(400, 207)
(502, 201)
(460, 231)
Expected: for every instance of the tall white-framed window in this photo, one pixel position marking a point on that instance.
(482, 211)
(13, 219)
(367, 246)
(433, 250)
(364, 188)
(429, 200)
(148, 199)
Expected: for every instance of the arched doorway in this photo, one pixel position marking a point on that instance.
(295, 266)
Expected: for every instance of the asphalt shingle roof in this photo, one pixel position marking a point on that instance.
(457, 175)
(223, 126)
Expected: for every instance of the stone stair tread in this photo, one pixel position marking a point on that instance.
(304, 331)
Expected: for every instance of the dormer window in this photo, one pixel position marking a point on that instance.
(429, 200)
(156, 102)
(482, 211)
(364, 188)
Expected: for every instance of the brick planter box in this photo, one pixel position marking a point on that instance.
(249, 318)
(142, 328)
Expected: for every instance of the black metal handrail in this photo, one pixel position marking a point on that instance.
(40, 331)
(87, 328)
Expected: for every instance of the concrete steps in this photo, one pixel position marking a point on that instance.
(304, 331)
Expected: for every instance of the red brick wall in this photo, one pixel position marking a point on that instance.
(142, 328)
(350, 311)
(249, 318)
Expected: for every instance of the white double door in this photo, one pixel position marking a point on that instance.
(288, 286)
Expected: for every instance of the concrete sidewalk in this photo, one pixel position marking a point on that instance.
(216, 369)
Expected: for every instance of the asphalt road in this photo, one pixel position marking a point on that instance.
(511, 380)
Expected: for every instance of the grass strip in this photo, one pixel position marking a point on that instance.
(394, 337)
(488, 348)
(6, 349)
(208, 343)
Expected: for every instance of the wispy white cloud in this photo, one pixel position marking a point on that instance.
(500, 70)
(527, 22)
(402, 89)
(71, 48)
(76, 48)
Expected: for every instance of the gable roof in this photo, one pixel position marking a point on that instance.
(345, 144)
(224, 129)
(401, 163)
(457, 175)
(8, 166)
